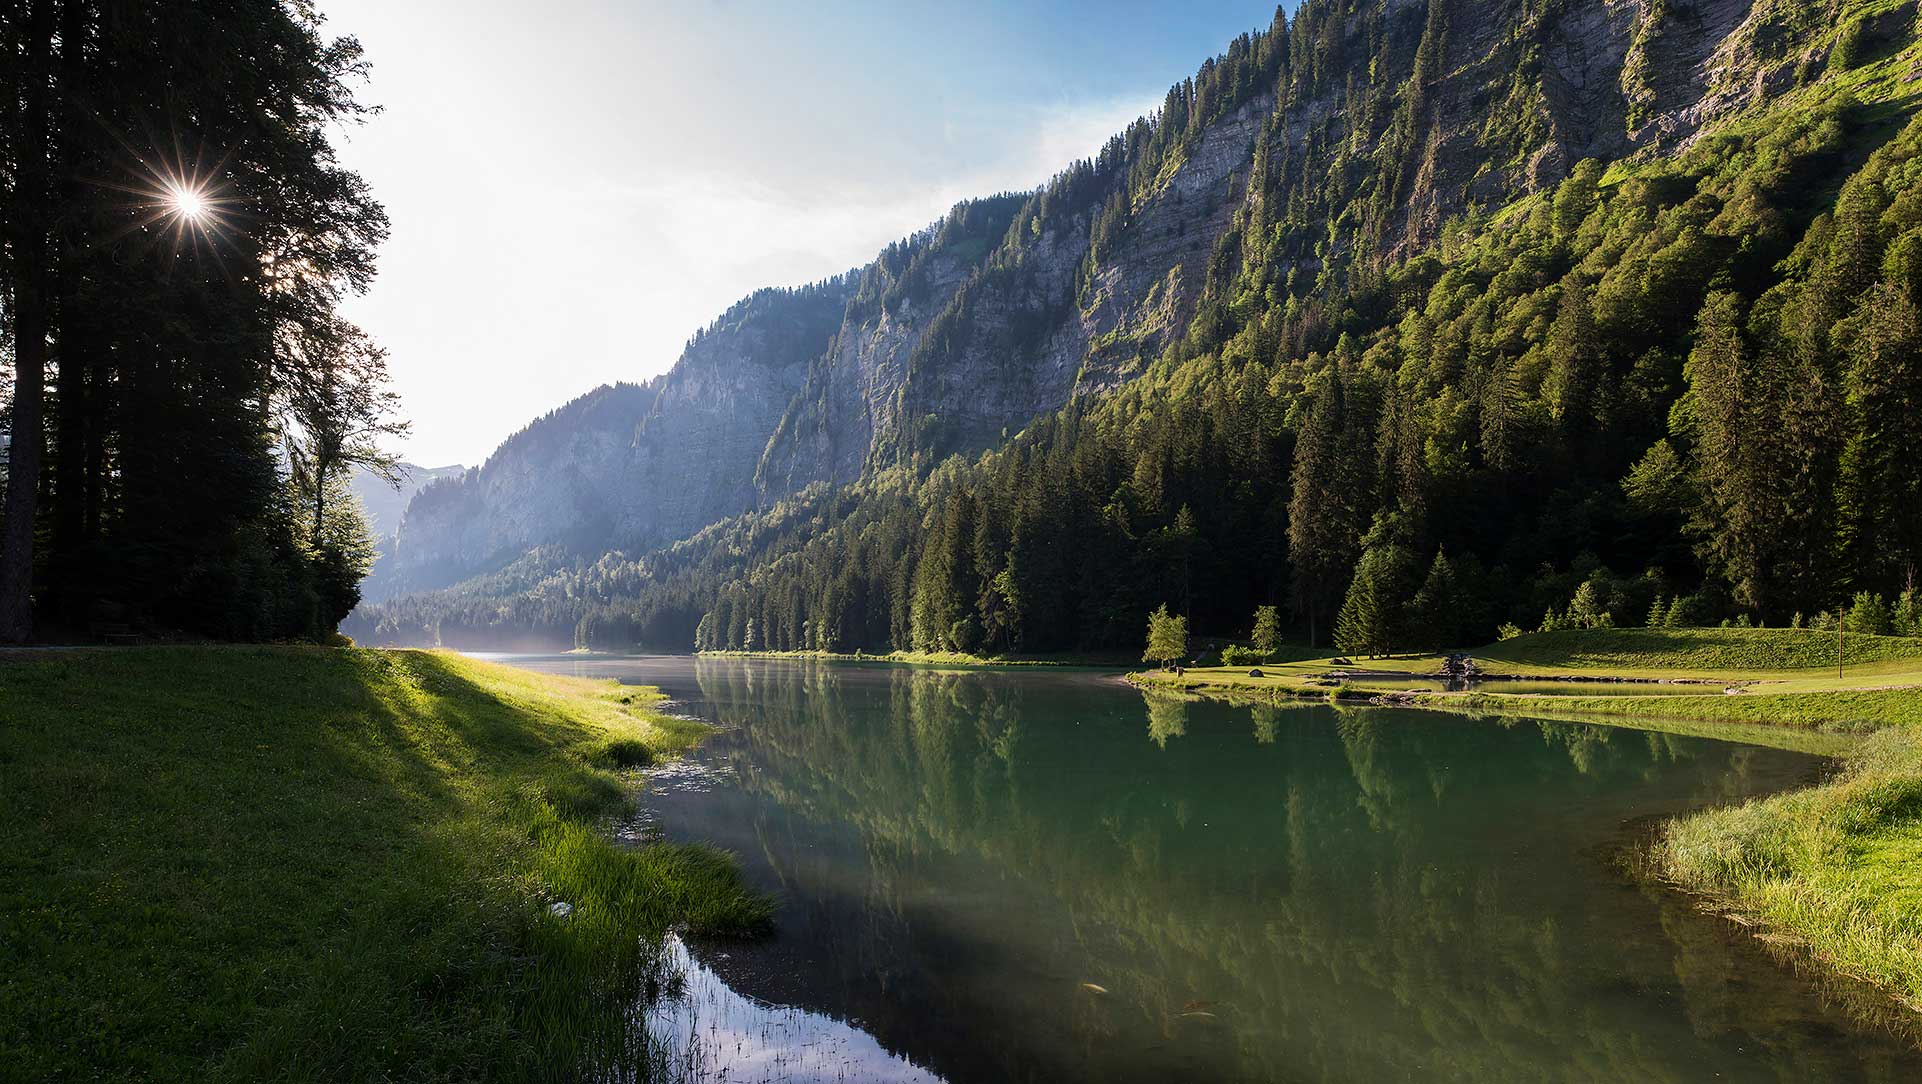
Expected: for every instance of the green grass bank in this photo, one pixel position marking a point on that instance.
(320, 864)
(1708, 651)
(1835, 870)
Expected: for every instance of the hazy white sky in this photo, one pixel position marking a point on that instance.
(577, 185)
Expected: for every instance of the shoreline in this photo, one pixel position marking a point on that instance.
(1823, 873)
(1814, 742)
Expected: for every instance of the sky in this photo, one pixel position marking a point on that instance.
(576, 186)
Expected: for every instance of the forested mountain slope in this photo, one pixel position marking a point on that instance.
(1423, 314)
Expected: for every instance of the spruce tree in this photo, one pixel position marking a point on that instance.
(1881, 485)
(1374, 615)
(1330, 491)
(1575, 387)
(1728, 402)
(1440, 613)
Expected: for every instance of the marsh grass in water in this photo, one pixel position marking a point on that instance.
(312, 864)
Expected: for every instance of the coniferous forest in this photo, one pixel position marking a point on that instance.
(184, 400)
(1676, 385)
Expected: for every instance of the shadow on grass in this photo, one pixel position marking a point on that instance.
(330, 865)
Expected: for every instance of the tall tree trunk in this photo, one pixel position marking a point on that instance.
(27, 220)
(23, 461)
(69, 582)
(320, 503)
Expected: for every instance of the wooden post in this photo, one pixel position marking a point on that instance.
(1838, 643)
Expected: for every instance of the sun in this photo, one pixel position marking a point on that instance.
(187, 202)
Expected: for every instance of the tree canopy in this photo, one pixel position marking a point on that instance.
(186, 397)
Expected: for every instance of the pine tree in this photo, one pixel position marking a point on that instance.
(1574, 386)
(1881, 487)
(1727, 403)
(1374, 615)
(1440, 614)
(1329, 493)
(1680, 614)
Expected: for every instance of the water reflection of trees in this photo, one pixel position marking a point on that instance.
(1344, 900)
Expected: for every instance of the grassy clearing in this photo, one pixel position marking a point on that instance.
(312, 864)
(1732, 652)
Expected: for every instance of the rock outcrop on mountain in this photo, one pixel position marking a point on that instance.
(384, 502)
(627, 464)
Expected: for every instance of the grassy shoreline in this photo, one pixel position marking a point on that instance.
(1832, 872)
(319, 864)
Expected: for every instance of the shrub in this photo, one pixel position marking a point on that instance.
(1237, 655)
(1852, 45)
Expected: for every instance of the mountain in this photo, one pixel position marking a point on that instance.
(1415, 289)
(385, 503)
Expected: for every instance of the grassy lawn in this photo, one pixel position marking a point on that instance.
(1836, 869)
(317, 864)
(1720, 652)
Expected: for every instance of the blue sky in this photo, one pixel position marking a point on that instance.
(577, 185)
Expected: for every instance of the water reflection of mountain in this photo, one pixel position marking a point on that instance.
(1262, 894)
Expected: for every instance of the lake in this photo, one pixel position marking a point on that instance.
(1046, 876)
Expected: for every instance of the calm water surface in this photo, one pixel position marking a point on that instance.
(1035, 876)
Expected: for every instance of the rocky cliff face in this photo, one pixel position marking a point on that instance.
(552, 482)
(1355, 132)
(384, 502)
(627, 465)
